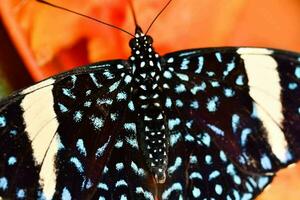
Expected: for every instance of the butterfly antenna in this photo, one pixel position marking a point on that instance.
(86, 16)
(133, 13)
(167, 4)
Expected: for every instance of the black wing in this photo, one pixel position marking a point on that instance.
(234, 120)
(57, 135)
(95, 153)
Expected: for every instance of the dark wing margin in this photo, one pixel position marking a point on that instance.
(244, 103)
(54, 132)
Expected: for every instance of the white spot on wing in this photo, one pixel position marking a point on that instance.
(254, 51)
(41, 125)
(39, 85)
(265, 89)
(47, 173)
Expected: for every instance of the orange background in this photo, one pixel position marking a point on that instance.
(50, 41)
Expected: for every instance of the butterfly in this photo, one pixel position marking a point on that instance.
(212, 123)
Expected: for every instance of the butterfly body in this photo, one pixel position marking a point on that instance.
(147, 93)
(193, 124)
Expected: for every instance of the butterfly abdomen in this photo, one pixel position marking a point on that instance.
(147, 95)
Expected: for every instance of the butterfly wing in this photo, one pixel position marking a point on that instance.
(126, 175)
(74, 135)
(57, 135)
(235, 112)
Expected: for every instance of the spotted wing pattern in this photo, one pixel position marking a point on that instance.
(74, 136)
(57, 135)
(218, 107)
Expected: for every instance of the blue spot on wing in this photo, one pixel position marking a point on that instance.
(293, 86)
(205, 138)
(240, 80)
(210, 74)
(218, 56)
(168, 103)
(262, 182)
(179, 103)
(97, 122)
(230, 67)
(208, 159)
(218, 189)
(217, 130)
(200, 87)
(215, 84)
(2, 121)
(200, 65)
(77, 164)
(184, 64)
(237, 179)
(104, 101)
(95, 81)
(12, 160)
(180, 88)
(68, 93)
(213, 175)
(212, 104)
(66, 195)
(108, 75)
(77, 116)
(173, 122)
(167, 74)
(114, 86)
(223, 156)
(228, 92)
(80, 147)
(121, 96)
(3, 183)
(235, 122)
(130, 127)
(62, 108)
(21, 193)
(194, 105)
(297, 72)
(87, 104)
(131, 106)
(244, 135)
(265, 162)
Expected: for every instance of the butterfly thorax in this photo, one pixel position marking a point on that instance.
(147, 93)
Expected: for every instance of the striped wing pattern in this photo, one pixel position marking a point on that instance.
(57, 135)
(74, 136)
(215, 99)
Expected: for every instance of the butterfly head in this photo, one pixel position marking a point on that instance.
(141, 44)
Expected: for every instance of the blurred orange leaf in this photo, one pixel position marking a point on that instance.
(58, 41)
